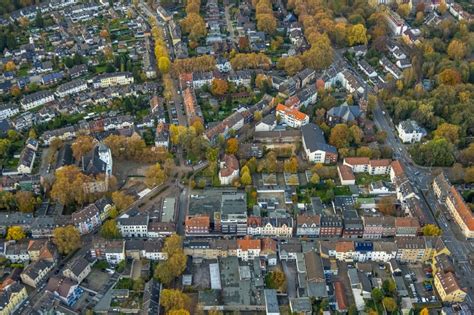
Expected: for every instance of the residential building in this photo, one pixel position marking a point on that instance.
(198, 224)
(331, 226)
(315, 146)
(395, 23)
(113, 251)
(292, 117)
(276, 227)
(410, 132)
(248, 249)
(308, 225)
(27, 158)
(71, 87)
(410, 249)
(378, 227)
(8, 110)
(11, 297)
(36, 99)
(67, 290)
(346, 175)
(77, 269)
(191, 107)
(407, 226)
(42, 249)
(36, 272)
(87, 219)
(162, 135)
(229, 169)
(448, 287)
(133, 225)
(460, 212)
(441, 187)
(112, 79)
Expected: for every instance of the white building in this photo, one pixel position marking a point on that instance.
(112, 79)
(36, 99)
(229, 169)
(71, 87)
(136, 226)
(292, 117)
(410, 132)
(8, 110)
(315, 146)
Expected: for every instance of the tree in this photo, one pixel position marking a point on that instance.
(4, 146)
(389, 287)
(164, 64)
(321, 54)
(456, 50)
(39, 21)
(276, 279)
(9, 66)
(389, 304)
(81, 146)
(232, 146)
(257, 116)
(110, 230)
(172, 299)
(246, 178)
(386, 205)
(424, 311)
(25, 200)
(69, 185)
(261, 81)
(291, 165)
(357, 34)
(442, 8)
(121, 200)
(175, 264)
(315, 179)
(266, 23)
(469, 175)
(436, 152)
(404, 9)
(219, 87)
(377, 295)
(340, 136)
(155, 175)
(67, 239)
(431, 230)
(178, 312)
(357, 134)
(292, 65)
(16, 233)
(448, 131)
(467, 155)
(449, 77)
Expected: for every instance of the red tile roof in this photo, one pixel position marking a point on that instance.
(346, 172)
(357, 160)
(462, 208)
(397, 168)
(247, 243)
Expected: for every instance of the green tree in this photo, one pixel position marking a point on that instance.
(431, 230)
(377, 295)
(389, 287)
(436, 152)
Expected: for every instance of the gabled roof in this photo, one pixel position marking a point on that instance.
(314, 139)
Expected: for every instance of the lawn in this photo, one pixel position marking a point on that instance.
(342, 191)
(365, 179)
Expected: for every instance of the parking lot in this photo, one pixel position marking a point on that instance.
(418, 282)
(96, 280)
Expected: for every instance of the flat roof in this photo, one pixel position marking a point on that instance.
(168, 210)
(215, 275)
